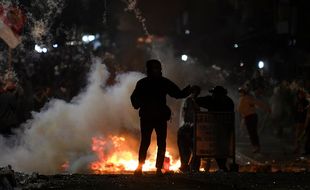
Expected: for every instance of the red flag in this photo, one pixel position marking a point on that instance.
(12, 21)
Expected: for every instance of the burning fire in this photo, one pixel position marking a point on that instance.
(114, 156)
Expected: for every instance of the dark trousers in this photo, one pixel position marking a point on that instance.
(251, 125)
(307, 142)
(185, 145)
(146, 134)
(221, 163)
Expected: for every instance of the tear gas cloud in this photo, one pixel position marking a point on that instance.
(62, 131)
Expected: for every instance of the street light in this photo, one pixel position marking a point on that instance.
(88, 38)
(184, 57)
(261, 64)
(39, 49)
(44, 50)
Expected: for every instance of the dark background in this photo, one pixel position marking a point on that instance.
(276, 31)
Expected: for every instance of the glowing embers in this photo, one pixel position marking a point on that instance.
(114, 156)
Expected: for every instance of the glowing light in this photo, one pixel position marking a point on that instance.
(85, 39)
(140, 40)
(241, 64)
(91, 38)
(38, 48)
(187, 32)
(55, 45)
(216, 67)
(261, 64)
(236, 45)
(65, 166)
(88, 38)
(149, 39)
(114, 156)
(184, 57)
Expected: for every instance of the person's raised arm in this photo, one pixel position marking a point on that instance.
(175, 92)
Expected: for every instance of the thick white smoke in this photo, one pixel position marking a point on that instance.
(62, 132)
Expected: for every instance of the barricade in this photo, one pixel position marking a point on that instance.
(214, 135)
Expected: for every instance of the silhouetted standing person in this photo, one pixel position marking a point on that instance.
(247, 109)
(186, 132)
(8, 106)
(149, 96)
(217, 102)
(307, 133)
(300, 113)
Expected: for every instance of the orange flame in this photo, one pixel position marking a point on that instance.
(114, 156)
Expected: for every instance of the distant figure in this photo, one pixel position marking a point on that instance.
(149, 96)
(307, 133)
(247, 109)
(257, 83)
(8, 106)
(217, 102)
(186, 132)
(300, 115)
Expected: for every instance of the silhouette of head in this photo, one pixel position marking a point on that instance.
(218, 90)
(153, 68)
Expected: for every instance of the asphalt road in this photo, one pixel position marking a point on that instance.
(221, 181)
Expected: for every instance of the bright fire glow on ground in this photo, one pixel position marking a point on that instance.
(114, 157)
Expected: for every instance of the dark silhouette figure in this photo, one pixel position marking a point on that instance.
(8, 106)
(300, 116)
(247, 109)
(307, 133)
(149, 96)
(217, 102)
(186, 132)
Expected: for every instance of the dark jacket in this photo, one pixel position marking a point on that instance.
(150, 97)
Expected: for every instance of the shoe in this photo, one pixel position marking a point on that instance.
(159, 173)
(138, 172)
(184, 169)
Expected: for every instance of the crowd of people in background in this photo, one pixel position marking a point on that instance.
(285, 104)
(37, 78)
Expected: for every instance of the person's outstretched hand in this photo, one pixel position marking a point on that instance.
(187, 89)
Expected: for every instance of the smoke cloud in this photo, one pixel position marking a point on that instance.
(62, 132)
